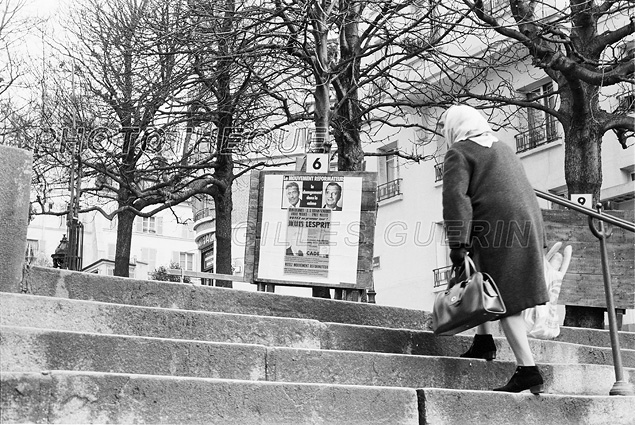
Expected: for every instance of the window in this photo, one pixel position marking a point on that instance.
(494, 6)
(438, 172)
(204, 207)
(186, 261)
(439, 155)
(389, 181)
(561, 191)
(541, 126)
(149, 225)
(149, 256)
(187, 230)
(32, 249)
(442, 272)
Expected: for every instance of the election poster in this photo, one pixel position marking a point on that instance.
(308, 237)
(310, 228)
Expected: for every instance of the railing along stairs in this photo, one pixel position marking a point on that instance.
(621, 386)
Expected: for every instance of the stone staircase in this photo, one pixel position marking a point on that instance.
(81, 348)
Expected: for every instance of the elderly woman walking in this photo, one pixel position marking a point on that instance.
(491, 212)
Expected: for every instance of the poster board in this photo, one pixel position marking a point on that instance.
(308, 229)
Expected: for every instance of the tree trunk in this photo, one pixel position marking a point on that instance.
(322, 95)
(223, 206)
(583, 161)
(125, 221)
(583, 174)
(347, 116)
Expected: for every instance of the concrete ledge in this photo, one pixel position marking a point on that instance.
(439, 406)
(366, 338)
(32, 350)
(88, 286)
(595, 337)
(72, 397)
(105, 318)
(379, 369)
(583, 336)
(115, 319)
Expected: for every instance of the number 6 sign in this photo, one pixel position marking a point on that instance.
(317, 163)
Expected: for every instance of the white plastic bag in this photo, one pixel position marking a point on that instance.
(542, 321)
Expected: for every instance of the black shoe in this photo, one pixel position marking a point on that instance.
(483, 347)
(525, 378)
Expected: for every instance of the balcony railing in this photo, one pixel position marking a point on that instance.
(389, 190)
(438, 172)
(204, 212)
(537, 136)
(441, 276)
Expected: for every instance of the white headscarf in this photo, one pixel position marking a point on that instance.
(463, 122)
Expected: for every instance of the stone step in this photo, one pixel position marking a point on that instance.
(97, 317)
(84, 397)
(442, 406)
(583, 336)
(34, 350)
(87, 286)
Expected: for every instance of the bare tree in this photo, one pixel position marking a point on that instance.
(11, 31)
(365, 59)
(157, 105)
(584, 49)
(581, 45)
(14, 27)
(236, 87)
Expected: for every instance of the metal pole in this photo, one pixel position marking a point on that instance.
(70, 248)
(621, 387)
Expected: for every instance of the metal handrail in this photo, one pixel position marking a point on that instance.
(621, 386)
(616, 221)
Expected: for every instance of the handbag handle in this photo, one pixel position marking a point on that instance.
(467, 262)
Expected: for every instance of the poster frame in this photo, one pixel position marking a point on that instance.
(367, 222)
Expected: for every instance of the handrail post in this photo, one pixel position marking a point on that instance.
(621, 387)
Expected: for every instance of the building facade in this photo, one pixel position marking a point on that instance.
(164, 239)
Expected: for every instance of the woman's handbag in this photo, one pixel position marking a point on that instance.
(468, 303)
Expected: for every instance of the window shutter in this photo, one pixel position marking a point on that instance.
(139, 224)
(152, 259)
(111, 251)
(159, 224)
(176, 257)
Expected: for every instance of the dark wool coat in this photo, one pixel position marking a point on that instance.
(490, 207)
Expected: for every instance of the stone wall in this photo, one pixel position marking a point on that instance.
(15, 175)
